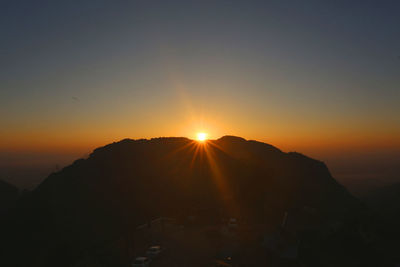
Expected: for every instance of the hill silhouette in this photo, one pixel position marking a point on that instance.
(385, 199)
(385, 202)
(127, 183)
(8, 196)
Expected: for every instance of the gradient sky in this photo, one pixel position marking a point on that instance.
(318, 77)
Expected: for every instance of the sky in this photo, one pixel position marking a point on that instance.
(319, 77)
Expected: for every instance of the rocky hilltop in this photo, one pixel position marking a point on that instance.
(127, 183)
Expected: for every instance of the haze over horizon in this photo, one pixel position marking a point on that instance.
(322, 79)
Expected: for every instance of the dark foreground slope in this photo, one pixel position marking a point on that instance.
(130, 182)
(385, 202)
(8, 196)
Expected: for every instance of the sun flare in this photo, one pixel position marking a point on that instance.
(201, 137)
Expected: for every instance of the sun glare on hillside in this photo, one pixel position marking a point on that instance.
(201, 137)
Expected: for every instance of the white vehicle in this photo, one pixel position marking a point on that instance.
(141, 262)
(154, 251)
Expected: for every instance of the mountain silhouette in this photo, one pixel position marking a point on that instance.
(385, 201)
(127, 183)
(8, 196)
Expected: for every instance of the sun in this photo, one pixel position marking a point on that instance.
(201, 137)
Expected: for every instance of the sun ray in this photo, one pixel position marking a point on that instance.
(220, 179)
(207, 150)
